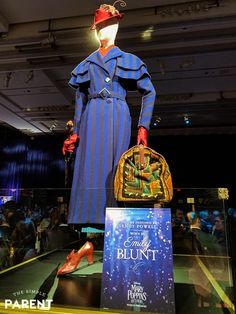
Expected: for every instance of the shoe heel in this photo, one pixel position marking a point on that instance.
(90, 259)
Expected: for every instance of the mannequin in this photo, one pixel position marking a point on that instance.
(102, 119)
(68, 151)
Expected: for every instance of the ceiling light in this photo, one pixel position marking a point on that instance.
(147, 34)
(156, 121)
(187, 119)
(53, 126)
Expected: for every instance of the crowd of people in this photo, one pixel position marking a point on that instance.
(204, 229)
(26, 233)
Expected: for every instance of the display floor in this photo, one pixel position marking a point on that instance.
(197, 290)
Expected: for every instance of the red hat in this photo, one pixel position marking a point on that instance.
(103, 14)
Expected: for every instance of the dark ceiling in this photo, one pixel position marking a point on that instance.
(188, 46)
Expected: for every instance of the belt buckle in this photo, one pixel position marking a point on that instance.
(104, 93)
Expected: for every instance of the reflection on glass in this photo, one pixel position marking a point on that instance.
(201, 259)
(34, 222)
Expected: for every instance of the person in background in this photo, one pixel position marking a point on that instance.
(4, 243)
(42, 228)
(205, 219)
(23, 237)
(60, 234)
(218, 231)
(208, 242)
(178, 218)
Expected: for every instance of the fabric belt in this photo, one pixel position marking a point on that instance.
(104, 93)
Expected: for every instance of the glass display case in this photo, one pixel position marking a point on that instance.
(35, 239)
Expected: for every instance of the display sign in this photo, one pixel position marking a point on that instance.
(137, 262)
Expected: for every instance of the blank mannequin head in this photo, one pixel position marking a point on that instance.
(106, 31)
(105, 24)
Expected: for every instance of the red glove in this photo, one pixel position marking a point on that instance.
(142, 136)
(69, 144)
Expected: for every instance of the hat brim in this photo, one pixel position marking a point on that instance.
(118, 16)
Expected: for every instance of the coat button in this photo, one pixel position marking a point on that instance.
(107, 79)
(109, 101)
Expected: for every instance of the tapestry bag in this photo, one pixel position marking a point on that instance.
(143, 175)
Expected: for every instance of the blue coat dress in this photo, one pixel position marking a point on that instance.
(102, 120)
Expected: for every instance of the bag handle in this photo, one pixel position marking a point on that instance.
(142, 158)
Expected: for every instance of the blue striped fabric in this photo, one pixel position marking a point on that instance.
(104, 127)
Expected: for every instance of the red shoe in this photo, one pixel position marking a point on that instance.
(74, 258)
